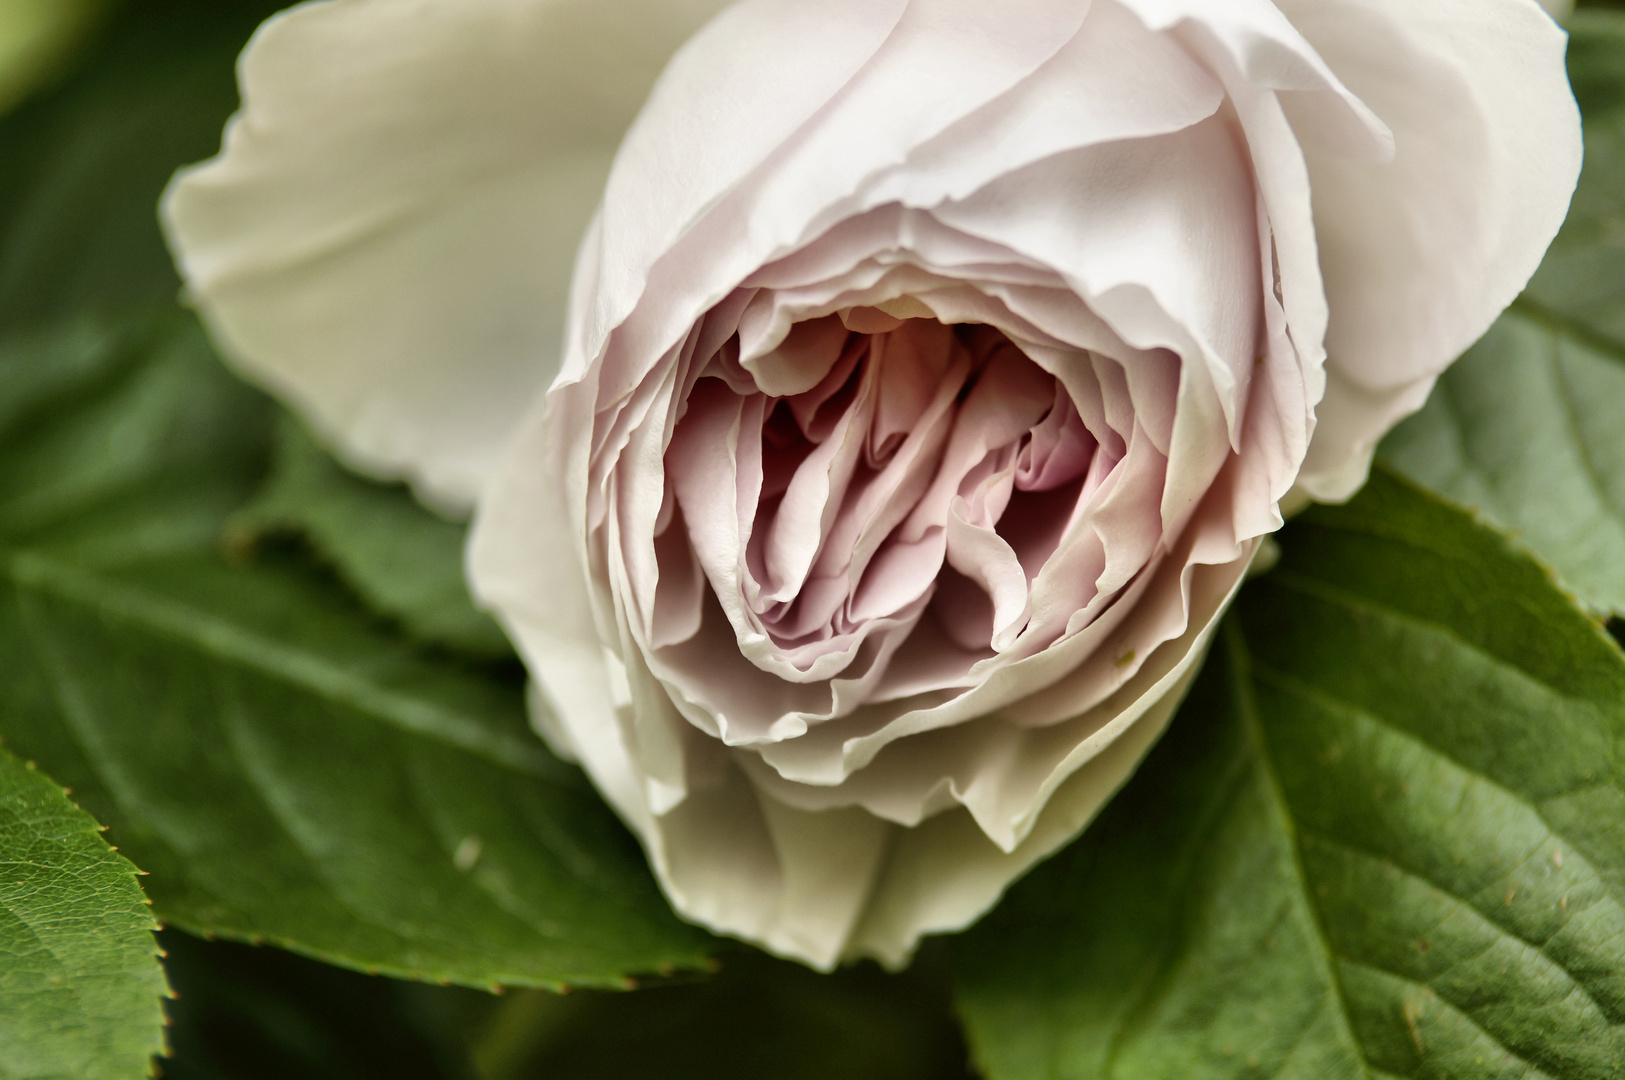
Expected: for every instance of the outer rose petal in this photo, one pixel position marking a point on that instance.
(1422, 254)
(386, 237)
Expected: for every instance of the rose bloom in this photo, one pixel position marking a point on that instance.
(932, 370)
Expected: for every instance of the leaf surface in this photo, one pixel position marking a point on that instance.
(1528, 429)
(1382, 839)
(80, 984)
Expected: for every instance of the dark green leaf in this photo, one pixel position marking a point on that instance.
(245, 1013)
(405, 561)
(1383, 839)
(80, 984)
(285, 768)
(248, 1013)
(1529, 429)
(758, 1017)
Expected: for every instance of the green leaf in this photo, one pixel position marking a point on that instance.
(286, 768)
(251, 1012)
(80, 985)
(403, 560)
(1383, 838)
(1526, 429)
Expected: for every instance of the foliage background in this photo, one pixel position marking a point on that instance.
(1385, 836)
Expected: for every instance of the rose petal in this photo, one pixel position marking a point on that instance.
(1421, 255)
(385, 239)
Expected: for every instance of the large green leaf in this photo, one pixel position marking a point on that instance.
(244, 1013)
(80, 985)
(285, 767)
(1383, 838)
(1529, 429)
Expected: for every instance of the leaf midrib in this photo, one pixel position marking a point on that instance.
(225, 642)
(1145, 992)
(1247, 709)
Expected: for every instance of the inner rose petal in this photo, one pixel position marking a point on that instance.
(918, 459)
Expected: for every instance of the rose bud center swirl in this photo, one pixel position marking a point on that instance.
(913, 492)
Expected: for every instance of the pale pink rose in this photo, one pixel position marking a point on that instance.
(933, 371)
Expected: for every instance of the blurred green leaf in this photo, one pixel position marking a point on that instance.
(37, 37)
(405, 561)
(1382, 839)
(82, 166)
(80, 985)
(1597, 59)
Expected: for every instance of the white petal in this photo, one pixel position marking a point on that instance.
(1421, 254)
(729, 99)
(386, 238)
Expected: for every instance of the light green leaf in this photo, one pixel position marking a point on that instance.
(285, 768)
(1529, 429)
(1383, 839)
(80, 985)
(403, 560)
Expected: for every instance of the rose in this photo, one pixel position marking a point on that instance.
(933, 371)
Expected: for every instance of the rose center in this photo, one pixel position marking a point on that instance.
(922, 470)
